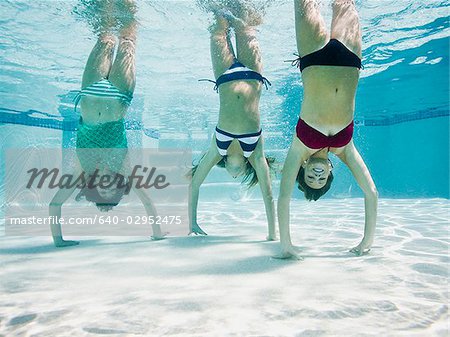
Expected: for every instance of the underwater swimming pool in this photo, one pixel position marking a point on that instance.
(401, 106)
(401, 129)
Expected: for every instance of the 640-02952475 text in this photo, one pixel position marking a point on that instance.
(99, 219)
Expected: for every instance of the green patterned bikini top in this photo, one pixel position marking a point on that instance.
(102, 145)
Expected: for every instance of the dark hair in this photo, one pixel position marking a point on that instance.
(312, 193)
(103, 204)
(250, 178)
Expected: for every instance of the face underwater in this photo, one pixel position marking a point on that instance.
(235, 165)
(107, 193)
(317, 171)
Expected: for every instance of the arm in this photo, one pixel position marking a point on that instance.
(150, 210)
(55, 210)
(355, 163)
(258, 161)
(147, 202)
(294, 158)
(210, 159)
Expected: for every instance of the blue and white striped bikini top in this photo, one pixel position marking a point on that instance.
(103, 88)
(238, 71)
(247, 141)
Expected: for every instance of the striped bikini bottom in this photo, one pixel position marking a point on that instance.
(247, 141)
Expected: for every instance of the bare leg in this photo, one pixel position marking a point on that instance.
(123, 70)
(222, 55)
(345, 25)
(99, 62)
(247, 45)
(310, 27)
(100, 59)
(248, 51)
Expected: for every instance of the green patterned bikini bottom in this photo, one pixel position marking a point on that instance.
(102, 145)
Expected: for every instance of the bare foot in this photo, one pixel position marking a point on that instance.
(125, 12)
(234, 21)
(247, 12)
(98, 15)
(236, 11)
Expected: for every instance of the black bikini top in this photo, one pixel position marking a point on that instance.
(238, 71)
(334, 53)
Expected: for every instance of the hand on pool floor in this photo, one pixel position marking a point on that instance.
(289, 252)
(271, 237)
(196, 230)
(66, 243)
(158, 237)
(362, 249)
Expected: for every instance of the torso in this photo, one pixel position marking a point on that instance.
(328, 100)
(239, 109)
(329, 97)
(96, 110)
(239, 106)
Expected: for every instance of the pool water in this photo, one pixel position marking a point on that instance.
(226, 281)
(401, 113)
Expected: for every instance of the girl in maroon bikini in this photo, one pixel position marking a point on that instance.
(329, 64)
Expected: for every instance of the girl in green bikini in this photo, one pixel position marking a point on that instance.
(107, 90)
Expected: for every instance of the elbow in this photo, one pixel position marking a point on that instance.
(194, 189)
(283, 199)
(269, 198)
(194, 184)
(284, 194)
(267, 192)
(372, 193)
(147, 203)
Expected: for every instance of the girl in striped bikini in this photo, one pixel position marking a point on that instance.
(237, 144)
(107, 90)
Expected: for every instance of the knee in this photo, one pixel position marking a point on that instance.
(219, 27)
(127, 45)
(219, 38)
(246, 32)
(127, 41)
(107, 40)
